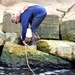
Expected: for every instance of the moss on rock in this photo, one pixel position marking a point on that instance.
(43, 46)
(14, 55)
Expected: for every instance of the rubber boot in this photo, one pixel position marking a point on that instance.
(34, 41)
(36, 36)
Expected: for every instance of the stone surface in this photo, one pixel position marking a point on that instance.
(68, 30)
(52, 19)
(1, 42)
(9, 2)
(13, 37)
(2, 35)
(15, 56)
(2, 9)
(49, 31)
(8, 26)
(64, 49)
(55, 11)
(59, 22)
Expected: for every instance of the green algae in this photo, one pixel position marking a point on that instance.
(43, 46)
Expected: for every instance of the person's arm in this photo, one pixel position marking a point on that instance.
(20, 12)
(24, 29)
(24, 22)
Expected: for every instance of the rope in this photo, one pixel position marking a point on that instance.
(28, 61)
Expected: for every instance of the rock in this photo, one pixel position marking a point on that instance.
(8, 26)
(0, 1)
(55, 12)
(48, 2)
(68, 27)
(13, 37)
(49, 31)
(59, 22)
(51, 22)
(67, 24)
(1, 49)
(63, 49)
(2, 9)
(2, 42)
(15, 56)
(53, 16)
(9, 3)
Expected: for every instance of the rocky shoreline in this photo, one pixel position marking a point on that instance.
(56, 49)
(14, 55)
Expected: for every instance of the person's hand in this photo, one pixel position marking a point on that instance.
(24, 42)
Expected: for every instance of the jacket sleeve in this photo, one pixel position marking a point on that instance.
(24, 28)
(25, 16)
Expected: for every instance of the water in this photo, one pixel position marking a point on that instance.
(38, 71)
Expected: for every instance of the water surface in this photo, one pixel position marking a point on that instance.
(38, 71)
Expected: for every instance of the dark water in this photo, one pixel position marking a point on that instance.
(38, 71)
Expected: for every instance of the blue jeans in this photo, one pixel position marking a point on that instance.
(36, 23)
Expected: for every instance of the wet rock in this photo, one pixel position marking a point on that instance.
(9, 3)
(13, 37)
(15, 56)
(64, 49)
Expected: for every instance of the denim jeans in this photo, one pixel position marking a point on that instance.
(36, 23)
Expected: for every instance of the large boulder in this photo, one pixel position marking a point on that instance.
(2, 9)
(9, 2)
(48, 2)
(44, 2)
(15, 56)
(67, 27)
(51, 22)
(2, 42)
(68, 30)
(49, 31)
(64, 49)
(13, 37)
(55, 22)
(8, 26)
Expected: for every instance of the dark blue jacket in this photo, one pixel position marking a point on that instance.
(28, 15)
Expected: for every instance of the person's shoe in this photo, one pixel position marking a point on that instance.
(36, 36)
